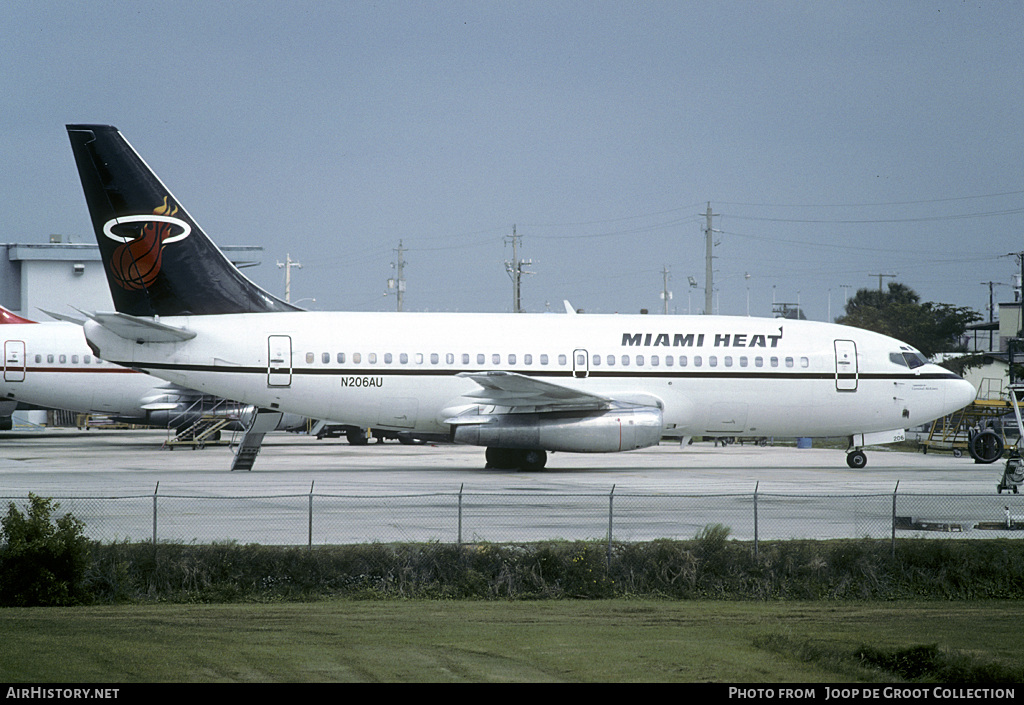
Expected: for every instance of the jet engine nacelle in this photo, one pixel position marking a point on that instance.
(574, 432)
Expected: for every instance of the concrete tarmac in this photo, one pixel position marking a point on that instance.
(389, 492)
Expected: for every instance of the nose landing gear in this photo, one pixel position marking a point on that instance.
(856, 459)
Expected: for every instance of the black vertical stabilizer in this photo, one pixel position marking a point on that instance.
(158, 261)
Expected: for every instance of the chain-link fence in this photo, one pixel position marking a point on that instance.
(462, 517)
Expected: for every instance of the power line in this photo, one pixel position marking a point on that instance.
(873, 205)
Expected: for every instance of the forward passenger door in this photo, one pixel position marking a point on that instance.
(846, 366)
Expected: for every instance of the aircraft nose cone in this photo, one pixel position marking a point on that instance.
(959, 394)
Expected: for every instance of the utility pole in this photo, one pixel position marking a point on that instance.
(891, 276)
(288, 264)
(666, 294)
(516, 272)
(708, 275)
(1017, 295)
(398, 283)
(991, 308)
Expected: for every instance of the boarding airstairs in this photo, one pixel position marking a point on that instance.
(1013, 472)
(202, 422)
(263, 422)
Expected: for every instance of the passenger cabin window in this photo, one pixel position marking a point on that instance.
(341, 358)
(562, 360)
(543, 359)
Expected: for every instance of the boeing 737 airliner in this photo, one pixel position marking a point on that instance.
(518, 384)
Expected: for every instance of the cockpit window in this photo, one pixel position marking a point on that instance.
(897, 358)
(914, 360)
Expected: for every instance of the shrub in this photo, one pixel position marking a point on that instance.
(42, 562)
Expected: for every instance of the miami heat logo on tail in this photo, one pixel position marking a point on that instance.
(135, 263)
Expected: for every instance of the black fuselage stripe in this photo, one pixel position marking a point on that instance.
(568, 373)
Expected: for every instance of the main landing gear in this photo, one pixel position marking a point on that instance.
(514, 458)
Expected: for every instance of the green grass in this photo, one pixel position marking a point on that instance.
(496, 641)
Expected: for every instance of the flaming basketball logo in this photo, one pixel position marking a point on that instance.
(135, 263)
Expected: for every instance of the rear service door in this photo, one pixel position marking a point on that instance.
(279, 361)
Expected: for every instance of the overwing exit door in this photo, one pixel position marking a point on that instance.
(279, 361)
(846, 366)
(580, 363)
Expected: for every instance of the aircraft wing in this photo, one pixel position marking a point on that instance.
(515, 390)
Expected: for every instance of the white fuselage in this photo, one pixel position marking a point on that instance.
(50, 365)
(710, 375)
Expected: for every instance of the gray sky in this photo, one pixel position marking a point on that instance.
(837, 140)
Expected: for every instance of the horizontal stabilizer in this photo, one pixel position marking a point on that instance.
(64, 317)
(138, 329)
